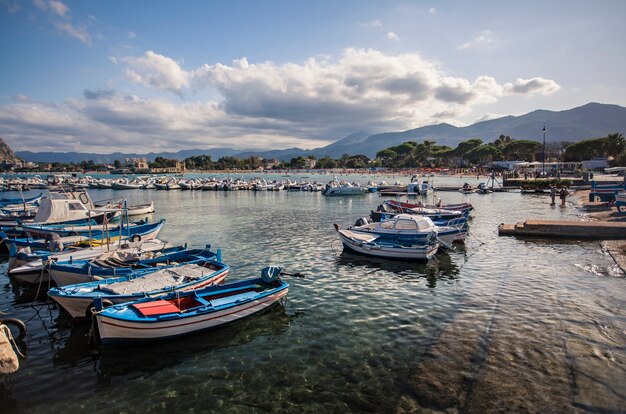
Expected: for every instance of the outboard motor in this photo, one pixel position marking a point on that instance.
(362, 222)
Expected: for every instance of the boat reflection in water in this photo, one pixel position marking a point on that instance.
(152, 358)
(440, 268)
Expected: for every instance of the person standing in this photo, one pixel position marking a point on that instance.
(552, 194)
(563, 195)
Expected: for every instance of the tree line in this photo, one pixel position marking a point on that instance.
(410, 154)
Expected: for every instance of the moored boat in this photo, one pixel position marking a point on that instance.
(377, 246)
(77, 299)
(184, 313)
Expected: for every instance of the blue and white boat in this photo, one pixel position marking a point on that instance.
(205, 270)
(411, 229)
(96, 236)
(118, 263)
(184, 313)
(375, 245)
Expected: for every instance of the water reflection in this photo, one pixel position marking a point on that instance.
(73, 347)
(441, 267)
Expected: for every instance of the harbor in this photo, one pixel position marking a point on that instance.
(357, 333)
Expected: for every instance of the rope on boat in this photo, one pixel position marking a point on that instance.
(43, 269)
(477, 239)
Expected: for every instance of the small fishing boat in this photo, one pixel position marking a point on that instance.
(115, 264)
(205, 270)
(411, 229)
(466, 208)
(343, 188)
(184, 313)
(377, 246)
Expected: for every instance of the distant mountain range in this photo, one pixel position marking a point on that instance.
(592, 120)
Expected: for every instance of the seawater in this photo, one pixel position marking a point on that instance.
(500, 324)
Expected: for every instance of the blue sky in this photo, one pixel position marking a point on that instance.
(102, 76)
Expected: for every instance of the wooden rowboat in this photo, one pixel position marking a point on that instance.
(184, 313)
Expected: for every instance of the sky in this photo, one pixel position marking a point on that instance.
(140, 76)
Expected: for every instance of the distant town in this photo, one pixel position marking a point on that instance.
(505, 153)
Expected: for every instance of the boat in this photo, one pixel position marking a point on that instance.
(483, 189)
(95, 236)
(132, 210)
(377, 246)
(466, 208)
(115, 264)
(184, 313)
(412, 229)
(77, 299)
(343, 188)
(30, 266)
(5, 202)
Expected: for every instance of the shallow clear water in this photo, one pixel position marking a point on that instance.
(500, 324)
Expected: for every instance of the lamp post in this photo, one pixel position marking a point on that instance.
(543, 160)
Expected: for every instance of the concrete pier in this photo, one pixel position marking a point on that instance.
(601, 230)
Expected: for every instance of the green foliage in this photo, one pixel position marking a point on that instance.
(523, 150)
(613, 145)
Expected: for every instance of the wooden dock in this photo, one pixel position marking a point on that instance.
(599, 230)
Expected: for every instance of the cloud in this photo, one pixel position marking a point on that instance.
(156, 70)
(432, 10)
(79, 33)
(530, 86)
(484, 38)
(60, 10)
(99, 94)
(55, 6)
(11, 6)
(257, 104)
(131, 35)
(373, 24)
(393, 36)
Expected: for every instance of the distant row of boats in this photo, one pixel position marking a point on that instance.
(334, 187)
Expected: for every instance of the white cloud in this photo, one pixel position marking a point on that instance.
(393, 36)
(530, 86)
(257, 104)
(483, 38)
(156, 70)
(79, 33)
(373, 24)
(489, 117)
(55, 6)
(432, 10)
(131, 35)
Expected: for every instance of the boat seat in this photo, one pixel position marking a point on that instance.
(102, 263)
(157, 307)
(233, 299)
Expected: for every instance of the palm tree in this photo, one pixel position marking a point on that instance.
(615, 144)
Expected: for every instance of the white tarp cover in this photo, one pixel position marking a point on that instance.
(55, 211)
(157, 280)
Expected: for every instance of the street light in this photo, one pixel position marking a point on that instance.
(543, 161)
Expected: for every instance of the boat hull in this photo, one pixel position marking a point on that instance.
(416, 253)
(113, 331)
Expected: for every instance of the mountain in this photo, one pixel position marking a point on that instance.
(77, 157)
(592, 120)
(6, 153)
